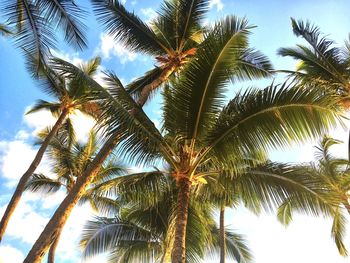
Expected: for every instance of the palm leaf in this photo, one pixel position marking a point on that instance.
(66, 15)
(199, 93)
(33, 36)
(271, 118)
(127, 27)
(41, 183)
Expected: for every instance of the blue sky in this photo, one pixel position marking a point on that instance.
(306, 240)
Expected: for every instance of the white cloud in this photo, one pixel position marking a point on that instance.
(109, 46)
(15, 158)
(25, 224)
(218, 3)
(70, 57)
(9, 254)
(149, 14)
(38, 120)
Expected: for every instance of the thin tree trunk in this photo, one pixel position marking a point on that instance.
(146, 91)
(51, 230)
(222, 236)
(183, 199)
(52, 251)
(25, 177)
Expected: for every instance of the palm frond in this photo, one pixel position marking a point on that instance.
(271, 118)
(104, 235)
(322, 61)
(39, 183)
(179, 21)
(5, 30)
(44, 105)
(127, 27)
(338, 231)
(199, 92)
(146, 188)
(33, 36)
(66, 15)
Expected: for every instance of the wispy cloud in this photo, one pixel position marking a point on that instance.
(108, 47)
(216, 3)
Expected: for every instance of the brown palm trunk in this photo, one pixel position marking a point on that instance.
(52, 251)
(146, 91)
(183, 199)
(24, 179)
(57, 221)
(222, 236)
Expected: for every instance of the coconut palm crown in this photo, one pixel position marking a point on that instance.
(332, 173)
(321, 62)
(199, 125)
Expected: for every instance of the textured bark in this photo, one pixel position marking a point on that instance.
(52, 251)
(57, 221)
(16, 197)
(146, 91)
(222, 236)
(183, 199)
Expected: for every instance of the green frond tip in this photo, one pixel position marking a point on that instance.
(284, 213)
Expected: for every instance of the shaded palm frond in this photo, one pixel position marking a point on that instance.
(43, 184)
(68, 17)
(127, 27)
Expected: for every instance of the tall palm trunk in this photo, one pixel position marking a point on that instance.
(52, 251)
(24, 179)
(183, 199)
(57, 221)
(146, 91)
(222, 235)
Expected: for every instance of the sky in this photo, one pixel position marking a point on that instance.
(306, 240)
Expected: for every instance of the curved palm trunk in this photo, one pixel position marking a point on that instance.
(22, 182)
(222, 236)
(57, 221)
(146, 91)
(183, 199)
(52, 251)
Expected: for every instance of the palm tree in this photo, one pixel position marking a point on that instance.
(37, 21)
(333, 175)
(198, 126)
(321, 62)
(263, 186)
(70, 96)
(172, 38)
(142, 230)
(69, 160)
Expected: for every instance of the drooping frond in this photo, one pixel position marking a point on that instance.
(322, 63)
(44, 105)
(104, 235)
(179, 22)
(147, 188)
(271, 118)
(40, 183)
(236, 246)
(67, 16)
(140, 138)
(5, 30)
(339, 231)
(33, 35)
(199, 94)
(127, 27)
